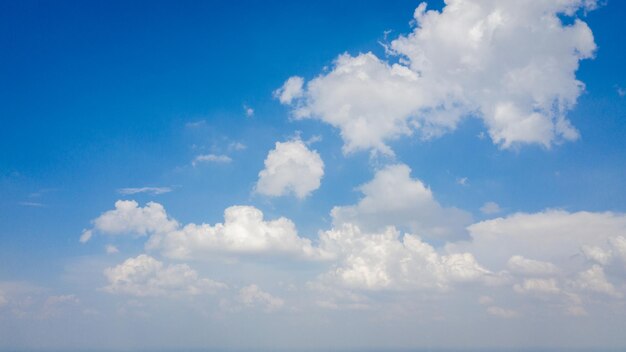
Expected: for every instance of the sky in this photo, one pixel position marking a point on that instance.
(312, 175)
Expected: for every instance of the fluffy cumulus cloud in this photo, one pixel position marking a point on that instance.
(145, 276)
(553, 258)
(554, 236)
(393, 198)
(291, 89)
(510, 63)
(553, 253)
(244, 231)
(384, 261)
(129, 218)
(291, 168)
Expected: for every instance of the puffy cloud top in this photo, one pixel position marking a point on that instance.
(129, 218)
(146, 276)
(510, 63)
(375, 261)
(393, 198)
(244, 231)
(291, 168)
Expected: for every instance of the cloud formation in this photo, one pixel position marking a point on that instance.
(252, 296)
(144, 276)
(211, 158)
(244, 231)
(290, 168)
(393, 198)
(510, 63)
(377, 261)
(150, 190)
(129, 218)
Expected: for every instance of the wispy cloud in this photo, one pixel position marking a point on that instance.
(32, 204)
(111, 249)
(211, 158)
(41, 192)
(194, 124)
(237, 146)
(248, 110)
(490, 208)
(151, 190)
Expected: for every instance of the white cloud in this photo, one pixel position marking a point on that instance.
(619, 245)
(129, 218)
(237, 146)
(392, 198)
(595, 280)
(248, 110)
(291, 89)
(145, 276)
(111, 249)
(376, 261)
(604, 255)
(490, 208)
(244, 231)
(151, 190)
(520, 265)
(290, 168)
(538, 287)
(252, 296)
(3, 300)
(211, 158)
(85, 236)
(367, 99)
(510, 63)
(597, 254)
(554, 236)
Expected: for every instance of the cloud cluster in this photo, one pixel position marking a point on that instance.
(290, 168)
(553, 258)
(145, 276)
(555, 236)
(559, 256)
(393, 198)
(375, 261)
(129, 218)
(244, 231)
(510, 63)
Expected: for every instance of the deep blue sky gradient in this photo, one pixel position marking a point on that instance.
(97, 96)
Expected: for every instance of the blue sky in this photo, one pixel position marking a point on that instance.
(416, 169)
